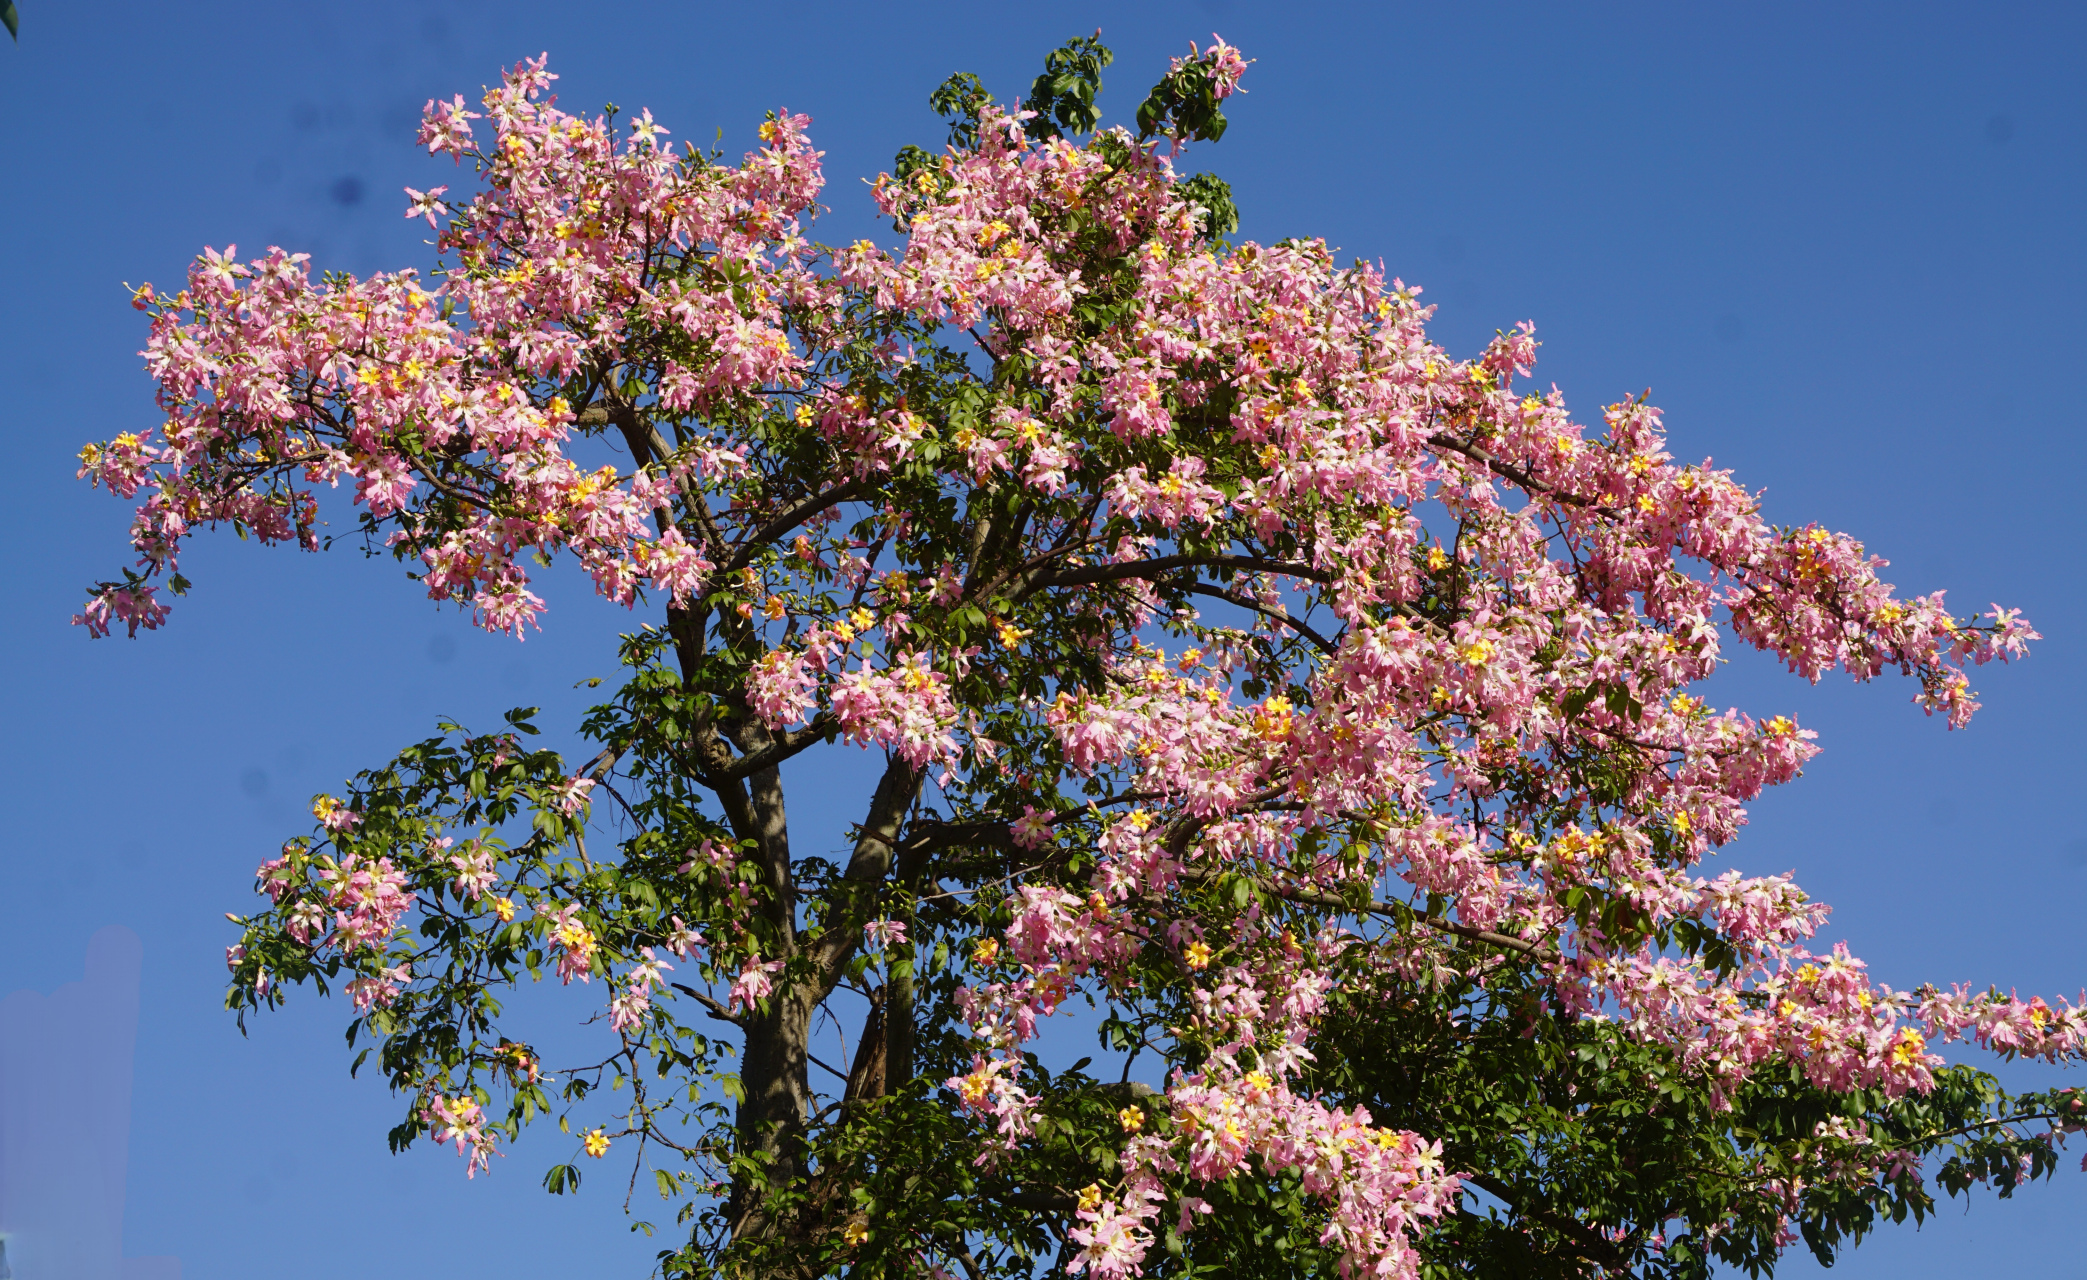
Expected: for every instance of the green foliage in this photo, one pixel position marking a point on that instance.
(959, 100)
(1183, 106)
(1213, 195)
(1063, 95)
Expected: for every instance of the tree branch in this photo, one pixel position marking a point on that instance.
(1095, 574)
(1507, 470)
(788, 520)
(1324, 645)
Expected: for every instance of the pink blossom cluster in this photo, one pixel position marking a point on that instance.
(460, 1120)
(367, 897)
(273, 383)
(627, 1010)
(904, 708)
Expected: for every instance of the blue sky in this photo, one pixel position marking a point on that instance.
(1842, 244)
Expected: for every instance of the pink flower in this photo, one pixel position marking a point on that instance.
(575, 943)
(426, 204)
(475, 871)
(756, 981)
(460, 1120)
(1033, 829)
(380, 990)
(683, 939)
(572, 795)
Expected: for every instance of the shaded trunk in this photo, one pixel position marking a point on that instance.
(777, 1095)
(868, 1074)
(773, 1065)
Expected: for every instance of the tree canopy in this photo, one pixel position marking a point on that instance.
(1296, 705)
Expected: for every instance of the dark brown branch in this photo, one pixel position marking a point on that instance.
(1390, 911)
(1508, 471)
(1583, 1240)
(779, 748)
(716, 1010)
(856, 893)
(788, 520)
(1095, 574)
(1318, 641)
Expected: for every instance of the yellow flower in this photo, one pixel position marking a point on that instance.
(596, 1142)
(575, 937)
(862, 619)
(1198, 955)
(854, 1234)
(1781, 727)
(768, 131)
(974, 1087)
(504, 908)
(1009, 636)
(986, 953)
(1438, 560)
(1090, 1197)
(1272, 720)
(1478, 653)
(90, 457)
(1910, 1048)
(1681, 822)
(1131, 1118)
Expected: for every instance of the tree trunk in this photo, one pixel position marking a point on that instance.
(773, 1066)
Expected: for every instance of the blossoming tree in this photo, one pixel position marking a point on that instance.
(1308, 703)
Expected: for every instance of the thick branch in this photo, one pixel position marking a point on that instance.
(1094, 574)
(1390, 911)
(1320, 642)
(780, 747)
(1507, 470)
(788, 520)
(856, 893)
(1583, 1240)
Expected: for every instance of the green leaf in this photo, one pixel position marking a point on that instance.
(7, 15)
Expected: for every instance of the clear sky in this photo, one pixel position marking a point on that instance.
(1842, 244)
